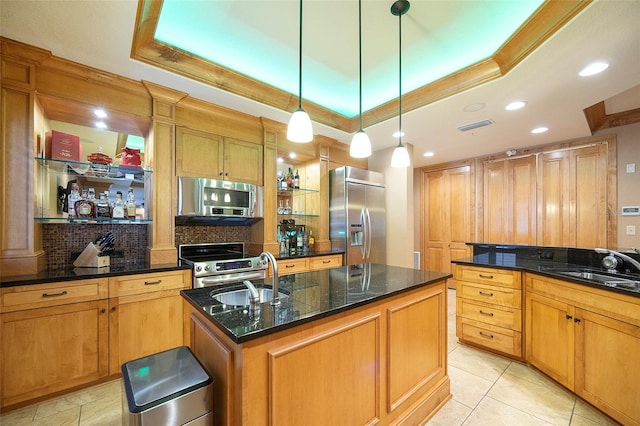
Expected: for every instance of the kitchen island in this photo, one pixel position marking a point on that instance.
(351, 345)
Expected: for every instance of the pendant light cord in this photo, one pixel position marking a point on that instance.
(400, 78)
(360, 56)
(300, 62)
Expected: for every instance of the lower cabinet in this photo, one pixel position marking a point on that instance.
(588, 340)
(306, 264)
(58, 336)
(146, 315)
(51, 339)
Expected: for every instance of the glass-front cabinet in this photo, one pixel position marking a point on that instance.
(298, 208)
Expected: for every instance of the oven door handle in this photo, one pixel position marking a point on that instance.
(230, 279)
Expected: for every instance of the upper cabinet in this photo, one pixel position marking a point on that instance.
(207, 155)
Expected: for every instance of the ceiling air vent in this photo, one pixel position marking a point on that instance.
(475, 125)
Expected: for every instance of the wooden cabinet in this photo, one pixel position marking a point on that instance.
(384, 362)
(305, 264)
(146, 315)
(54, 337)
(447, 220)
(489, 308)
(207, 155)
(509, 194)
(573, 197)
(588, 340)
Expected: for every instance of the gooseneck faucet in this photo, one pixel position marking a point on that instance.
(620, 255)
(266, 256)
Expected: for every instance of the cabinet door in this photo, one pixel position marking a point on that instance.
(510, 201)
(198, 154)
(47, 350)
(446, 217)
(549, 335)
(242, 161)
(606, 350)
(143, 325)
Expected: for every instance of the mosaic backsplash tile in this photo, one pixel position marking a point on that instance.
(63, 243)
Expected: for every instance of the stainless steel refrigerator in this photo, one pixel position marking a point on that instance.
(357, 222)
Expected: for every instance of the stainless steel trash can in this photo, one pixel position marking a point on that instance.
(167, 388)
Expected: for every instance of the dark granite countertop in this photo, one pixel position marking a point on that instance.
(547, 261)
(310, 296)
(309, 254)
(84, 273)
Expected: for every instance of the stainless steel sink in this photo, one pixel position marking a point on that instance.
(604, 279)
(240, 297)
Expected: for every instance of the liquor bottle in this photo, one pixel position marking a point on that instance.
(296, 180)
(299, 243)
(73, 197)
(305, 241)
(312, 241)
(85, 207)
(290, 179)
(103, 210)
(118, 207)
(130, 207)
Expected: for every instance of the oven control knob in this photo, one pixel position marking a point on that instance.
(198, 268)
(207, 268)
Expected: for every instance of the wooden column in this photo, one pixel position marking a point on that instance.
(322, 239)
(160, 194)
(20, 237)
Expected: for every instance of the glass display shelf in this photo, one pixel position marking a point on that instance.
(300, 214)
(97, 220)
(93, 171)
(292, 191)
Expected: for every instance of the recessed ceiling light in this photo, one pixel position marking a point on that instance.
(474, 107)
(539, 130)
(594, 68)
(292, 155)
(101, 125)
(398, 134)
(515, 105)
(280, 160)
(428, 154)
(100, 113)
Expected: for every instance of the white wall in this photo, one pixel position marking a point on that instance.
(399, 207)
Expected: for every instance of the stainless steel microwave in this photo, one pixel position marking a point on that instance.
(210, 200)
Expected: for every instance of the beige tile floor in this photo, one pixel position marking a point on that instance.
(487, 390)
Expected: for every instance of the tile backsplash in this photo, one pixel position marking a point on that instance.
(62, 243)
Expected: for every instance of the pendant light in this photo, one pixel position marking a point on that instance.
(360, 144)
(299, 129)
(400, 157)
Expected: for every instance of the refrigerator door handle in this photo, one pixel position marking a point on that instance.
(365, 231)
(367, 236)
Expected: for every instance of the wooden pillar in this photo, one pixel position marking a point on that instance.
(322, 239)
(20, 237)
(160, 194)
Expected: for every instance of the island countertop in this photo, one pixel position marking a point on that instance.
(309, 296)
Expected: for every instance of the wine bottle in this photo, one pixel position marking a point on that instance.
(296, 180)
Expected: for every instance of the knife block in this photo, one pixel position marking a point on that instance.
(89, 258)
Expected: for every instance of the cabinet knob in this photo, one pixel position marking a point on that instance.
(113, 309)
(576, 320)
(568, 316)
(103, 310)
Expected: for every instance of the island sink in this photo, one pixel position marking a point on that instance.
(242, 297)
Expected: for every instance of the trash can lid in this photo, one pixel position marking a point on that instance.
(158, 378)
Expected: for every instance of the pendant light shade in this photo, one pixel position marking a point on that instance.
(300, 129)
(400, 157)
(360, 144)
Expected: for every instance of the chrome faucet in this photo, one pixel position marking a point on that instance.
(254, 297)
(266, 256)
(620, 255)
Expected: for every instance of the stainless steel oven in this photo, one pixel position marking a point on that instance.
(221, 263)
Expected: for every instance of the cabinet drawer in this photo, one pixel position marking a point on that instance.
(61, 293)
(490, 314)
(490, 294)
(291, 266)
(488, 336)
(499, 277)
(324, 262)
(157, 281)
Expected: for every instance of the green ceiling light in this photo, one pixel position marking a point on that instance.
(360, 144)
(299, 129)
(400, 157)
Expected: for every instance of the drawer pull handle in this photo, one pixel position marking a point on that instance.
(576, 320)
(290, 265)
(568, 316)
(490, 314)
(489, 277)
(152, 282)
(487, 335)
(62, 293)
(482, 293)
(326, 261)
